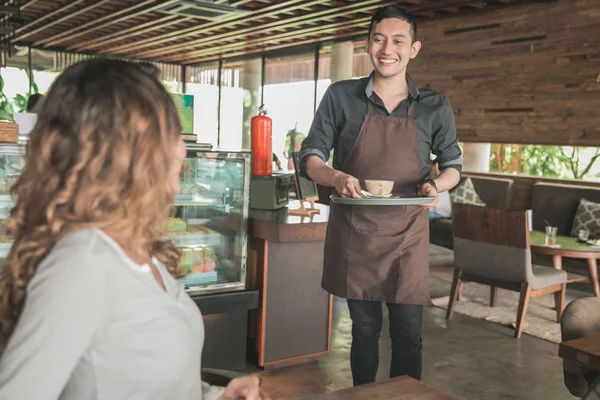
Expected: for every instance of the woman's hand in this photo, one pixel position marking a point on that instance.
(246, 388)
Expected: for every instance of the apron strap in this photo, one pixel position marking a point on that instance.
(411, 110)
(369, 107)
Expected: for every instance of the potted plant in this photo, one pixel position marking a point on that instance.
(9, 130)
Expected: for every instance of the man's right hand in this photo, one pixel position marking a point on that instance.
(347, 185)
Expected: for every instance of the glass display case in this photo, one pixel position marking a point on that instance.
(210, 222)
(11, 164)
(210, 225)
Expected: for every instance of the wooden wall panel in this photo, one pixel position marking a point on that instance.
(532, 76)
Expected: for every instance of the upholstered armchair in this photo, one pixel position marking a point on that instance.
(491, 247)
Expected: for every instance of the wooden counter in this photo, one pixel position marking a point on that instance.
(278, 226)
(292, 324)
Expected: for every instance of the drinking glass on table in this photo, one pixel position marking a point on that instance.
(551, 232)
(584, 234)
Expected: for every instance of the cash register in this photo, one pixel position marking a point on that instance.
(271, 192)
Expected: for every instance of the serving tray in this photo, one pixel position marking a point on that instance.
(394, 200)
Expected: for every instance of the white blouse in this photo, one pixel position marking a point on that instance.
(97, 326)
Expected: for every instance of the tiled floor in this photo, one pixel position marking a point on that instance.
(467, 358)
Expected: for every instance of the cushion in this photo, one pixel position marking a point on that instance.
(587, 217)
(465, 193)
(558, 203)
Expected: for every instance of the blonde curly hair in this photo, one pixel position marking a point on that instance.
(98, 157)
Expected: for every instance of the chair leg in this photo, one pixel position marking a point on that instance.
(461, 288)
(456, 282)
(593, 266)
(523, 304)
(559, 301)
(493, 295)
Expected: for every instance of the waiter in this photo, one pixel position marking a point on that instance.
(382, 127)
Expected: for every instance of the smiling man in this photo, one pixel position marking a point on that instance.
(382, 127)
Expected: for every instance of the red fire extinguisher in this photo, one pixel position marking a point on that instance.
(261, 132)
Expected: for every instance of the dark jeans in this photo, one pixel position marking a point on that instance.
(405, 332)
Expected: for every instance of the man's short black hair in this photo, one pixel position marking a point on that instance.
(394, 12)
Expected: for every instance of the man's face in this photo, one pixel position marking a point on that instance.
(390, 47)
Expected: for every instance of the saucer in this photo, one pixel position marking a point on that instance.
(369, 195)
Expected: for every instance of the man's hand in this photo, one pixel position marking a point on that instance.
(429, 191)
(246, 387)
(347, 185)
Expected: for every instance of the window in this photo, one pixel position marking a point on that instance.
(240, 98)
(562, 162)
(289, 99)
(202, 82)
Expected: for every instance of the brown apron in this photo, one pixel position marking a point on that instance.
(380, 253)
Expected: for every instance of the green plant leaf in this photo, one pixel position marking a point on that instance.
(6, 111)
(20, 101)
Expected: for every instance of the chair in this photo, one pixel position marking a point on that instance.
(442, 259)
(581, 318)
(491, 247)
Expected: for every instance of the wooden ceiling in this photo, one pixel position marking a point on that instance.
(146, 30)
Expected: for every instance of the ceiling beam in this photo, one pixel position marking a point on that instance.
(112, 18)
(361, 22)
(51, 14)
(22, 6)
(283, 24)
(277, 47)
(228, 22)
(206, 28)
(136, 30)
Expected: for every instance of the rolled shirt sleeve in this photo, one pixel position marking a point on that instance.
(444, 141)
(321, 137)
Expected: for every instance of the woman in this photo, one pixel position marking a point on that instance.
(89, 307)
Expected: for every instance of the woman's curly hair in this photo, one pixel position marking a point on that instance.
(99, 156)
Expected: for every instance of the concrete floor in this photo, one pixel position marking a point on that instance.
(467, 358)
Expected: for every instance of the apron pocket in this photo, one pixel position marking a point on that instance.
(379, 220)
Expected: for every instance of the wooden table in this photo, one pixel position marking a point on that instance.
(402, 388)
(569, 247)
(584, 352)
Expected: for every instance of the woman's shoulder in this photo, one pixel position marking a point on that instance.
(89, 241)
(88, 247)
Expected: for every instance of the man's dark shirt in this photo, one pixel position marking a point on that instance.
(337, 123)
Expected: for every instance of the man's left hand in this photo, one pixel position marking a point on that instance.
(429, 191)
